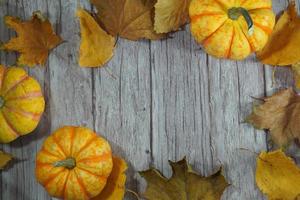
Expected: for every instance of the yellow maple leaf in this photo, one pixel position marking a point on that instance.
(278, 176)
(130, 19)
(183, 183)
(96, 46)
(280, 115)
(170, 15)
(283, 45)
(115, 186)
(5, 158)
(35, 39)
(296, 72)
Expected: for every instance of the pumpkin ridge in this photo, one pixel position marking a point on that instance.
(104, 178)
(243, 1)
(205, 41)
(88, 143)
(2, 77)
(249, 42)
(58, 144)
(65, 185)
(49, 153)
(10, 125)
(33, 116)
(220, 4)
(52, 177)
(194, 18)
(265, 29)
(81, 185)
(228, 52)
(41, 164)
(260, 8)
(96, 158)
(13, 86)
(29, 95)
(72, 134)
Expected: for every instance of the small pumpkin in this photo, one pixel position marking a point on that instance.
(232, 28)
(21, 103)
(74, 163)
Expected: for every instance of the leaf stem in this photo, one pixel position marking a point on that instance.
(134, 194)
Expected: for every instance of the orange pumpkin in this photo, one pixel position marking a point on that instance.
(74, 163)
(21, 103)
(231, 28)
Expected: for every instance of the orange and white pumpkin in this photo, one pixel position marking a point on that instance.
(74, 163)
(21, 103)
(231, 28)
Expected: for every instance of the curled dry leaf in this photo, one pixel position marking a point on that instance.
(185, 184)
(130, 19)
(278, 176)
(5, 158)
(283, 46)
(296, 72)
(96, 46)
(35, 39)
(115, 186)
(280, 115)
(170, 15)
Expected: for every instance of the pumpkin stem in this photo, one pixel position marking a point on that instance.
(1, 102)
(235, 12)
(68, 163)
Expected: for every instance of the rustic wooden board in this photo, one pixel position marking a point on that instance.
(154, 101)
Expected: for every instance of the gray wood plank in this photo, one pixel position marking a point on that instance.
(71, 86)
(122, 105)
(155, 101)
(5, 183)
(199, 104)
(24, 148)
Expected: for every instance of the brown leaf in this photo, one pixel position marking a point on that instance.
(278, 176)
(35, 39)
(96, 46)
(280, 114)
(283, 46)
(185, 184)
(130, 19)
(5, 158)
(170, 15)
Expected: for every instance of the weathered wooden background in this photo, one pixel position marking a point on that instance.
(154, 101)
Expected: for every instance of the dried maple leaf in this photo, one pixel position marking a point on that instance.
(184, 184)
(170, 15)
(130, 19)
(280, 114)
(278, 176)
(296, 72)
(4, 159)
(283, 45)
(96, 46)
(35, 39)
(115, 186)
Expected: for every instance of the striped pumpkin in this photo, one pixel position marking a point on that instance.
(21, 103)
(231, 28)
(74, 163)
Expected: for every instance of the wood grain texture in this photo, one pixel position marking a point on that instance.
(154, 101)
